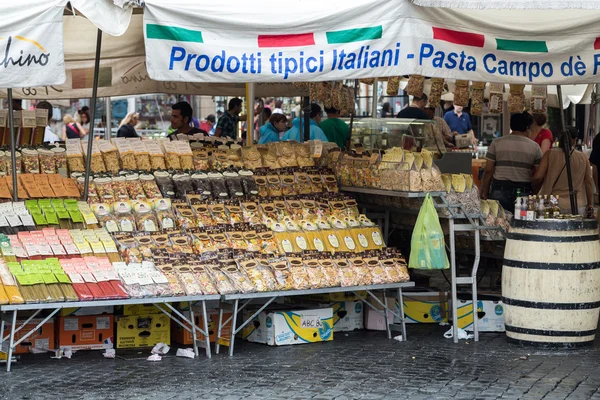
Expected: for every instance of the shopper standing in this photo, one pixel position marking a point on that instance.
(551, 175)
(227, 125)
(49, 136)
(128, 124)
(510, 162)
(71, 129)
(336, 130)
(270, 131)
(539, 134)
(415, 109)
(315, 111)
(84, 114)
(181, 115)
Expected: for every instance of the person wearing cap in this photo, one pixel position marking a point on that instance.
(294, 133)
(208, 124)
(335, 129)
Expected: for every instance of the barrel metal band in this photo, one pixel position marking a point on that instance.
(543, 332)
(550, 306)
(550, 266)
(556, 225)
(524, 237)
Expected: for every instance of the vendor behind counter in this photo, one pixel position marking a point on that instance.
(510, 162)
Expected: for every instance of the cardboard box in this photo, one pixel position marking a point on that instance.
(490, 313)
(374, 321)
(80, 311)
(424, 308)
(143, 330)
(182, 336)
(92, 332)
(143, 309)
(41, 339)
(348, 316)
(298, 327)
(256, 330)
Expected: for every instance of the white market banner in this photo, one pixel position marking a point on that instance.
(31, 43)
(311, 40)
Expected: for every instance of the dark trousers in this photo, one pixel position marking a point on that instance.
(506, 193)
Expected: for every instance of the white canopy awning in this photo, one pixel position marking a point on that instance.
(512, 4)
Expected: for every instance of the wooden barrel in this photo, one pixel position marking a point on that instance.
(551, 282)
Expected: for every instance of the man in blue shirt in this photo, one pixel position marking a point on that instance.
(459, 122)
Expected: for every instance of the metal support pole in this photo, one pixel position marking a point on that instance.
(250, 119)
(306, 120)
(233, 325)
(206, 331)
(11, 341)
(193, 320)
(454, 294)
(13, 157)
(108, 127)
(567, 150)
(375, 99)
(93, 116)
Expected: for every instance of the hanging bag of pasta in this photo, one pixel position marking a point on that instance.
(516, 98)
(428, 250)
(477, 98)
(538, 99)
(393, 85)
(461, 93)
(496, 98)
(435, 94)
(415, 85)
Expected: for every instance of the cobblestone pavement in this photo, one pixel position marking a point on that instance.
(359, 365)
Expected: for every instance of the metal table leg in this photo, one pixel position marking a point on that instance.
(193, 320)
(453, 288)
(387, 320)
(474, 283)
(403, 320)
(11, 342)
(206, 332)
(219, 326)
(233, 326)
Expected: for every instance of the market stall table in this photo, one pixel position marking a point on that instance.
(9, 314)
(272, 296)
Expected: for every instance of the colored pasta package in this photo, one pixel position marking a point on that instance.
(299, 274)
(316, 277)
(346, 272)
(254, 273)
(282, 274)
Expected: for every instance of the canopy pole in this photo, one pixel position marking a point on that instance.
(108, 125)
(567, 150)
(375, 99)
(306, 127)
(13, 150)
(250, 119)
(88, 161)
(356, 83)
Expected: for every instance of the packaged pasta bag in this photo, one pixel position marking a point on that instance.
(330, 272)
(415, 85)
(264, 268)
(435, 95)
(220, 239)
(303, 183)
(538, 99)
(388, 266)
(282, 274)
(303, 155)
(221, 281)
(288, 184)
(238, 277)
(414, 174)
(461, 93)
(188, 279)
(251, 213)
(253, 243)
(516, 98)
(316, 277)
(262, 186)
(345, 271)
(471, 196)
(142, 155)
(300, 277)
(236, 236)
(378, 274)
(110, 156)
(270, 155)
(252, 158)
(393, 85)
(287, 155)
(126, 154)
(252, 270)
(477, 98)
(172, 157)
(274, 186)
(400, 265)
(361, 271)
(157, 156)
(268, 242)
(496, 98)
(10, 285)
(204, 280)
(234, 211)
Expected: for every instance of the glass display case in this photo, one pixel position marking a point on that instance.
(385, 133)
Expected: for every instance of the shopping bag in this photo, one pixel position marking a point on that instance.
(427, 248)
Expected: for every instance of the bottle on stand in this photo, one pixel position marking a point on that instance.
(547, 208)
(517, 213)
(540, 209)
(556, 208)
(531, 208)
(524, 208)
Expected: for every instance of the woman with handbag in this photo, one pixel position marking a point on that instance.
(551, 176)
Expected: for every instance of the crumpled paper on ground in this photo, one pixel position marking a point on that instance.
(154, 357)
(161, 349)
(189, 353)
(109, 353)
(462, 334)
(66, 353)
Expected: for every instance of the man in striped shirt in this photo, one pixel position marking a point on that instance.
(510, 163)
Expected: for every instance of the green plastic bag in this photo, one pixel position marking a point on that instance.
(427, 248)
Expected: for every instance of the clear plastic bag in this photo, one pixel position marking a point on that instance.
(427, 244)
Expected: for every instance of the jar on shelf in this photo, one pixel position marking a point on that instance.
(47, 164)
